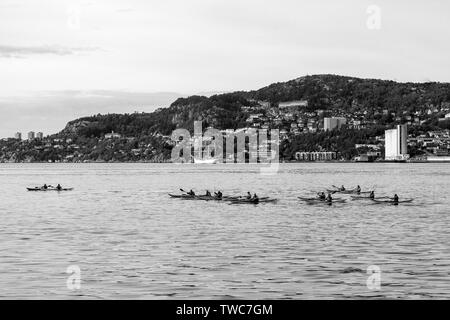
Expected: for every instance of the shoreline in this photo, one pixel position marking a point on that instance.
(196, 164)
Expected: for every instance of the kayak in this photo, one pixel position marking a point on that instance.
(321, 200)
(348, 191)
(390, 201)
(316, 198)
(49, 189)
(183, 196)
(318, 201)
(253, 201)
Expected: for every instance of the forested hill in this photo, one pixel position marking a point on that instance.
(331, 91)
(324, 92)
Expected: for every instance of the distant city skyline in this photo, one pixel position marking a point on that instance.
(58, 58)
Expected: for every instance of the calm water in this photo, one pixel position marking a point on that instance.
(131, 241)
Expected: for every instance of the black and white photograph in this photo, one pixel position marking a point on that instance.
(224, 150)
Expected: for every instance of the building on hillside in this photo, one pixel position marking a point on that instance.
(39, 136)
(18, 136)
(315, 156)
(30, 136)
(112, 135)
(330, 124)
(293, 104)
(396, 144)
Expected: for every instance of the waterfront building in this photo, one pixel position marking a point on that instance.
(333, 123)
(396, 143)
(18, 136)
(315, 156)
(39, 136)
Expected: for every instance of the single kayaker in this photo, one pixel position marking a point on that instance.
(58, 187)
(322, 196)
(329, 198)
(249, 195)
(208, 194)
(255, 198)
(342, 188)
(395, 199)
(358, 189)
(372, 195)
(219, 195)
(191, 193)
(45, 187)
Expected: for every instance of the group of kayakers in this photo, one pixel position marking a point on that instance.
(357, 190)
(219, 195)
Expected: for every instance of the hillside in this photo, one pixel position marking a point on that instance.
(323, 92)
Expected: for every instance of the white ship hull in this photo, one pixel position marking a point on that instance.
(205, 161)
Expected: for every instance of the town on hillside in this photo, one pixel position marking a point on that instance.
(319, 118)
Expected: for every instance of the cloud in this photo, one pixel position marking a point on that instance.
(7, 51)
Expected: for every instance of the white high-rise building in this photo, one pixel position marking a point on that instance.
(396, 143)
(333, 123)
(31, 135)
(39, 136)
(18, 136)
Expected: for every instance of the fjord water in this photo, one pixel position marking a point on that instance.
(131, 241)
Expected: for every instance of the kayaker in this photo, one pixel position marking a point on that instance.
(208, 194)
(255, 198)
(372, 195)
(342, 188)
(58, 187)
(358, 189)
(219, 195)
(249, 195)
(322, 196)
(45, 187)
(191, 193)
(396, 199)
(329, 198)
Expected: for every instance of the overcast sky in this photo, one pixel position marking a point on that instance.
(64, 59)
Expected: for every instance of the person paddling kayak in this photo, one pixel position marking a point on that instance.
(372, 195)
(249, 195)
(342, 188)
(218, 194)
(396, 199)
(255, 198)
(329, 198)
(58, 187)
(208, 194)
(45, 187)
(358, 189)
(322, 196)
(191, 193)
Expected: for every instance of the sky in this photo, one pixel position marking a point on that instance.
(63, 59)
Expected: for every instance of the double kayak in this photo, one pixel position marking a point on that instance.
(353, 191)
(318, 200)
(390, 201)
(252, 201)
(49, 189)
